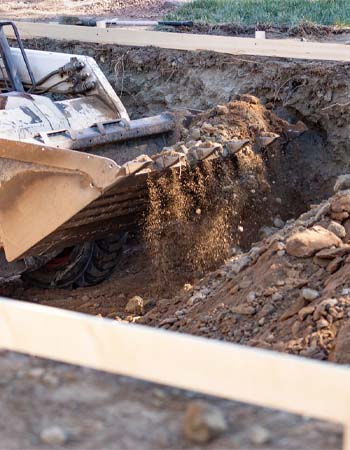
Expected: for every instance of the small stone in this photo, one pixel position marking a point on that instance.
(323, 210)
(36, 372)
(187, 287)
(322, 323)
(323, 306)
(293, 309)
(245, 283)
(306, 311)
(135, 306)
(340, 216)
(208, 128)
(342, 183)
(334, 265)
(259, 435)
(269, 291)
(277, 296)
(266, 310)
(249, 99)
(278, 223)
(341, 353)
(306, 243)
(341, 202)
(345, 291)
(182, 149)
(195, 134)
(310, 294)
(53, 435)
(266, 232)
(331, 253)
(203, 422)
(296, 327)
(251, 297)
(346, 225)
(337, 229)
(245, 310)
(51, 379)
(168, 321)
(222, 110)
(241, 263)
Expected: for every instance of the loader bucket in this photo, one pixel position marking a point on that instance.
(41, 188)
(53, 198)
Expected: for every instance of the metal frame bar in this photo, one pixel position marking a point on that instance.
(8, 58)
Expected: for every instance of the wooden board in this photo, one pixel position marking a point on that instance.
(260, 377)
(282, 48)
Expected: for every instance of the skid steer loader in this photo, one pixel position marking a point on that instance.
(73, 167)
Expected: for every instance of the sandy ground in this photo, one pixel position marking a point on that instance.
(96, 410)
(50, 9)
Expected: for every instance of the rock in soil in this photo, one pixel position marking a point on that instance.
(53, 435)
(310, 294)
(135, 306)
(203, 422)
(259, 435)
(337, 229)
(342, 183)
(307, 243)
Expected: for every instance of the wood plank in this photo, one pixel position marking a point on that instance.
(261, 377)
(282, 48)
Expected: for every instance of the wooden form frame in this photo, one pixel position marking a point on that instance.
(261, 377)
(281, 48)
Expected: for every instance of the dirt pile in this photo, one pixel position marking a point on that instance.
(198, 215)
(290, 292)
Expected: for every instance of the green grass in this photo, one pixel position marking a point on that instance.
(274, 12)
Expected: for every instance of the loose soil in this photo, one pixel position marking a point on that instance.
(220, 237)
(304, 31)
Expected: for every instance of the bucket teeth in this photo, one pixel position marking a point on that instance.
(168, 161)
(141, 163)
(265, 141)
(233, 147)
(206, 154)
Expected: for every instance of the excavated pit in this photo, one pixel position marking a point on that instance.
(193, 226)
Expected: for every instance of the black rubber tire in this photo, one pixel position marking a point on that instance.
(84, 265)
